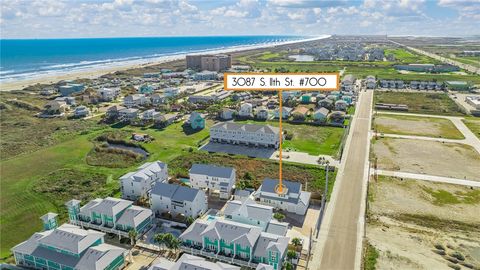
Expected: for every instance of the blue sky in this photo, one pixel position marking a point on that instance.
(120, 18)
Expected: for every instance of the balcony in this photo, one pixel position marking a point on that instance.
(236, 260)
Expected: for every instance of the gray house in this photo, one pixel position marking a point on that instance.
(178, 200)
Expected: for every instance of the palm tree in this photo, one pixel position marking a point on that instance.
(159, 238)
(296, 241)
(279, 216)
(133, 236)
(189, 220)
(291, 254)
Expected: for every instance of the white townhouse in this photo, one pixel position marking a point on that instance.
(221, 179)
(137, 184)
(135, 100)
(178, 200)
(246, 110)
(292, 199)
(248, 134)
(249, 212)
(348, 83)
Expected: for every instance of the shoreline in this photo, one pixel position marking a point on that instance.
(95, 72)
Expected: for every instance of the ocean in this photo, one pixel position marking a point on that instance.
(26, 58)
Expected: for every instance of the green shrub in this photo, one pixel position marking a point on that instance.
(454, 266)
(458, 255)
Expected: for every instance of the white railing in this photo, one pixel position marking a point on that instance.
(225, 259)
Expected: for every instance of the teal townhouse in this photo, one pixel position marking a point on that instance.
(235, 243)
(68, 247)
(110, 215)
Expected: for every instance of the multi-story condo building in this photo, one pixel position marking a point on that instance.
(177, 200)
(68, 247)
(137, 184)
(190, 262)
(216, 63)
(292, 199)
(235, 243)
(248, 134)
(110, 215)
(219, 179)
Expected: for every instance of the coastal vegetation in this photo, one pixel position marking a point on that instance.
(424, 103)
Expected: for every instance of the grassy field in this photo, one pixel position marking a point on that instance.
(23, 203)
(426, 103)
(257, 169)
(414, 125)
(473, 124)
(405, 56)
(315, 140)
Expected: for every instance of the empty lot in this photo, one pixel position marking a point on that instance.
(414, 125)
(427, 157)
(406, 219)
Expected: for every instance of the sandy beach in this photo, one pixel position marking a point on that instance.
(95, 72)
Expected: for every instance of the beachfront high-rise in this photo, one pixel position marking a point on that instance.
(219, 62)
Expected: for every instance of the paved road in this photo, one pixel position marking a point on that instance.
(470, 137)
(339, 243)
(432, 178)
(441, 58)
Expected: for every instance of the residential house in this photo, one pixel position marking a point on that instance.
(68, 247)
(306, 99)
(291, 199)
(177, 200)
(241, 96)
(227, 114)
(205, 76)
(348, 83)
(68, 100)
(145, 89)
(300, 113)
(196, 121)
(110, 215)
(225, 240)
(248, 134)
(219, 179)
(341, 105)
(337, 116)
(171, 92)
(70, 88)
(54, 107)
(348, 99)
(158, 99)
(161, 121)
(137, 184)
(371, 82)
(47, 91)
(320, 115)
(246, 110)
(128, 115)
(414, 85)
(149, 115)
(81, 111)
(326, 103)
(135, 100)
(190, 262)
(113, 111)
(108, 94)
(286, 111)
(249, 212)
(261, 113)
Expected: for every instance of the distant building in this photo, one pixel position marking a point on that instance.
(68, 247)
(320, 115)
(246, 110)
(348, 83)
(474, 101)
(220, 179)
(227, 114)
(128, 115)
(145, 89)
(196, 121)
(286, 111)
(81, 111)
(171, 92)
(261, 113)
(458, 85)
(138, 184)
(247, 134)
(71, 88)
(341, 105)
(135, 100)
(177, 200)
(216, 63)
(108, 94)
(370, 82)
(206, 76)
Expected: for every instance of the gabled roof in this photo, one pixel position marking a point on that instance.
(191, 262)
(212, 170)
(145, 171)
(99, 257)
(229, 231)
(175, 192)
(270, 242)
(71, 238)
(249, 209)
(134, 215)
(194, 230)
(247, 127)
(111, 206)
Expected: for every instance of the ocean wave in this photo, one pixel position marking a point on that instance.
(66, 68)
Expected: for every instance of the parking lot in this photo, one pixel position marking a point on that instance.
(249, 151)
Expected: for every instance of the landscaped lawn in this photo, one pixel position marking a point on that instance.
(314, 140)
(426, 103)
(22, 206)
(414, 125)
(473, 124)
